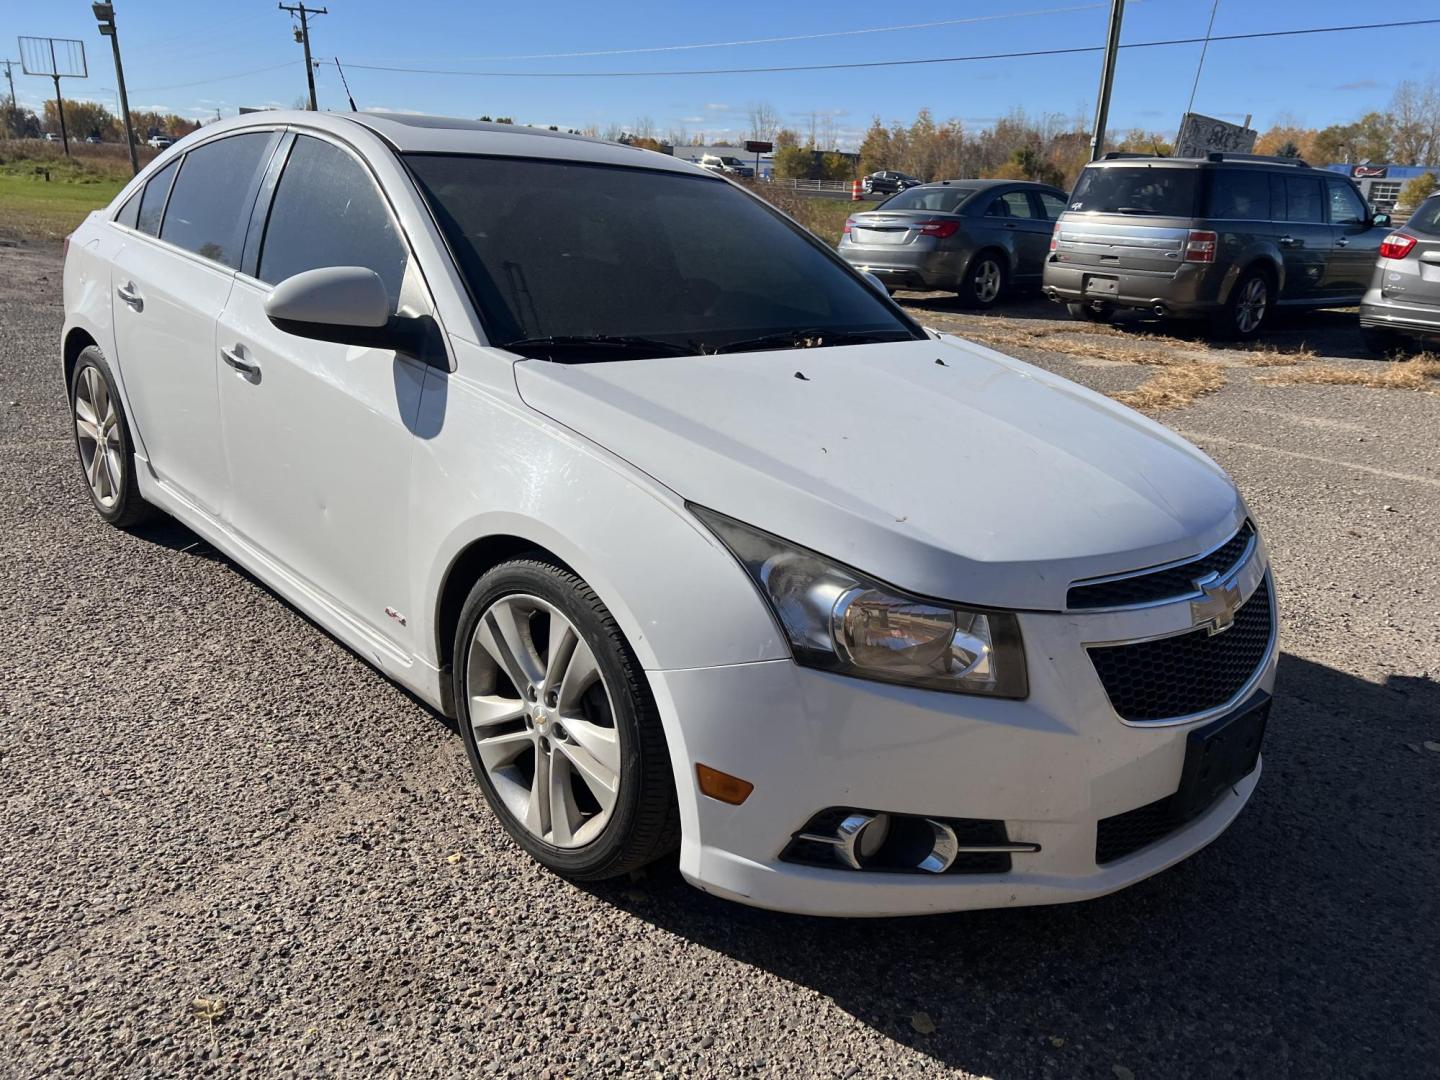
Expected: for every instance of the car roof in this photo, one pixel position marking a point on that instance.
(982, 184)
(1289, 164)
(415, 133)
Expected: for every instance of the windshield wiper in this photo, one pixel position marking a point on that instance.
(571, 348)
(816, 338)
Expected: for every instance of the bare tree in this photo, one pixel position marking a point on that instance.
(1415, 112)
(643, 127)
(764, 121)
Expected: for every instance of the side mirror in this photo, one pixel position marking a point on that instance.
(344, 304)
(875, 283)
(1380, 220)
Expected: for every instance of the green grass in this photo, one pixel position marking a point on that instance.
(31, 209)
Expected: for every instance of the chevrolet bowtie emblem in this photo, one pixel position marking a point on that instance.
(1216, 609)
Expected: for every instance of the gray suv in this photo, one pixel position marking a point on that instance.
(977, 238)
(1228, 238)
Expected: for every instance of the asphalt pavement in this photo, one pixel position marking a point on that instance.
(230, 847)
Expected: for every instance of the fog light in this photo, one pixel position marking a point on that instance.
(722, 786)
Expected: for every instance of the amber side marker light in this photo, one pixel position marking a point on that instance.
(723, 786)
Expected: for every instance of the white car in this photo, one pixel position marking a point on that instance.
(700, 549)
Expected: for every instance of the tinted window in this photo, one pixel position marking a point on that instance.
(1346, 206)
(1242, 194)
(211, 204)
(1303, 198)
(1052, 204)
(130, 212)
(152, 203)
(1144, 190)
(941, 200)
(1427, 218)
(328, 212)
(1013, 204)
(569, 250)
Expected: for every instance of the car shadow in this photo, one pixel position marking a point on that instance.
(1301, 943)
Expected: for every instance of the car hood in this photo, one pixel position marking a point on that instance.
(939, 466)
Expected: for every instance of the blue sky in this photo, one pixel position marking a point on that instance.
(194, 57)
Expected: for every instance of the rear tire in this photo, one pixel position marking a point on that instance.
(1096, 313)
(559, 724)
(103, 442)
(985, 281)
(1245, 311)
(1381, 342)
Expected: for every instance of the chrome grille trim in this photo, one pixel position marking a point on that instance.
(1194, 593)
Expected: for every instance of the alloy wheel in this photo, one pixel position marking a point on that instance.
(986, 281)
(1250, 310)
(543, 721)
(97, 427)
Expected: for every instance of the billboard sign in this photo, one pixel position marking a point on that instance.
(756, 147)
(1201, 135)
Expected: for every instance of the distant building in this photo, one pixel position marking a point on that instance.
(1381, 184)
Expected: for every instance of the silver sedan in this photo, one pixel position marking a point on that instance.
(977, 238)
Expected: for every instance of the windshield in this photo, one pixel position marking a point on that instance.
(564, 252)
(1145, 189)
(938, 200)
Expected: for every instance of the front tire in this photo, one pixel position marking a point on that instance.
(103, 442)
(985, 280)
(559, 724)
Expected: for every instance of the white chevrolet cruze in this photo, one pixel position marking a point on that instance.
(702, 540)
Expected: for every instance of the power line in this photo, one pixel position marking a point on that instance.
(1026, 54)
(215, 78)
(796, 37)
(1214, 7)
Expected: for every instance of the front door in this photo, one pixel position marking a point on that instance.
(1355, 242)
(317, 436)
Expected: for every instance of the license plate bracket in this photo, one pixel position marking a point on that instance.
(1220, 755)
(1100, 285)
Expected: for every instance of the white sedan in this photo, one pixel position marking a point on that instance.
(702, 550)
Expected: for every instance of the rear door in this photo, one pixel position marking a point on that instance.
(171, 280)
(1303, 235)
(1355, 242)
(317, 435)
(1014, 220)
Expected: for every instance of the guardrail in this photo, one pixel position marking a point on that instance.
(814, 185)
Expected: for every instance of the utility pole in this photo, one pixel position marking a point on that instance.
(11, 76)
(1107, 80)
(105, 15)
(303, 11)
(59, 101)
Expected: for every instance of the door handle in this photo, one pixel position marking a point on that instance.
(236, 359)
(1342, 242)
(130, 295)
(1287, 241)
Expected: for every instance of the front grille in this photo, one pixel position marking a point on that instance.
(1160, 585)
(1188, 673)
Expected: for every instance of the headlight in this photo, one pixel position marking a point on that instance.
(842, 621)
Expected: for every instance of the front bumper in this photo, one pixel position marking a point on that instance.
(1051, 767)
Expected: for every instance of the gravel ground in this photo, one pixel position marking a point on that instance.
(205, 797)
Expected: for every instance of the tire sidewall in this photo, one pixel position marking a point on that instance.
(1231, 327)
(560, 588)
(968, 291)
(125, 506)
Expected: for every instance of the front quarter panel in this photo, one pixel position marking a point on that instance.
(487, 465)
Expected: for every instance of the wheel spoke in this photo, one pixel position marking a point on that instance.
(497, 751)
(92, 469)
(99, 393)
(580, 673)
(112, 473)
(563, 640)
(564, 814)
(84, 408)
(537, 814)
(502, 637)
(601, 743)
(487, 710)
(87, 428)
(602, 782)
